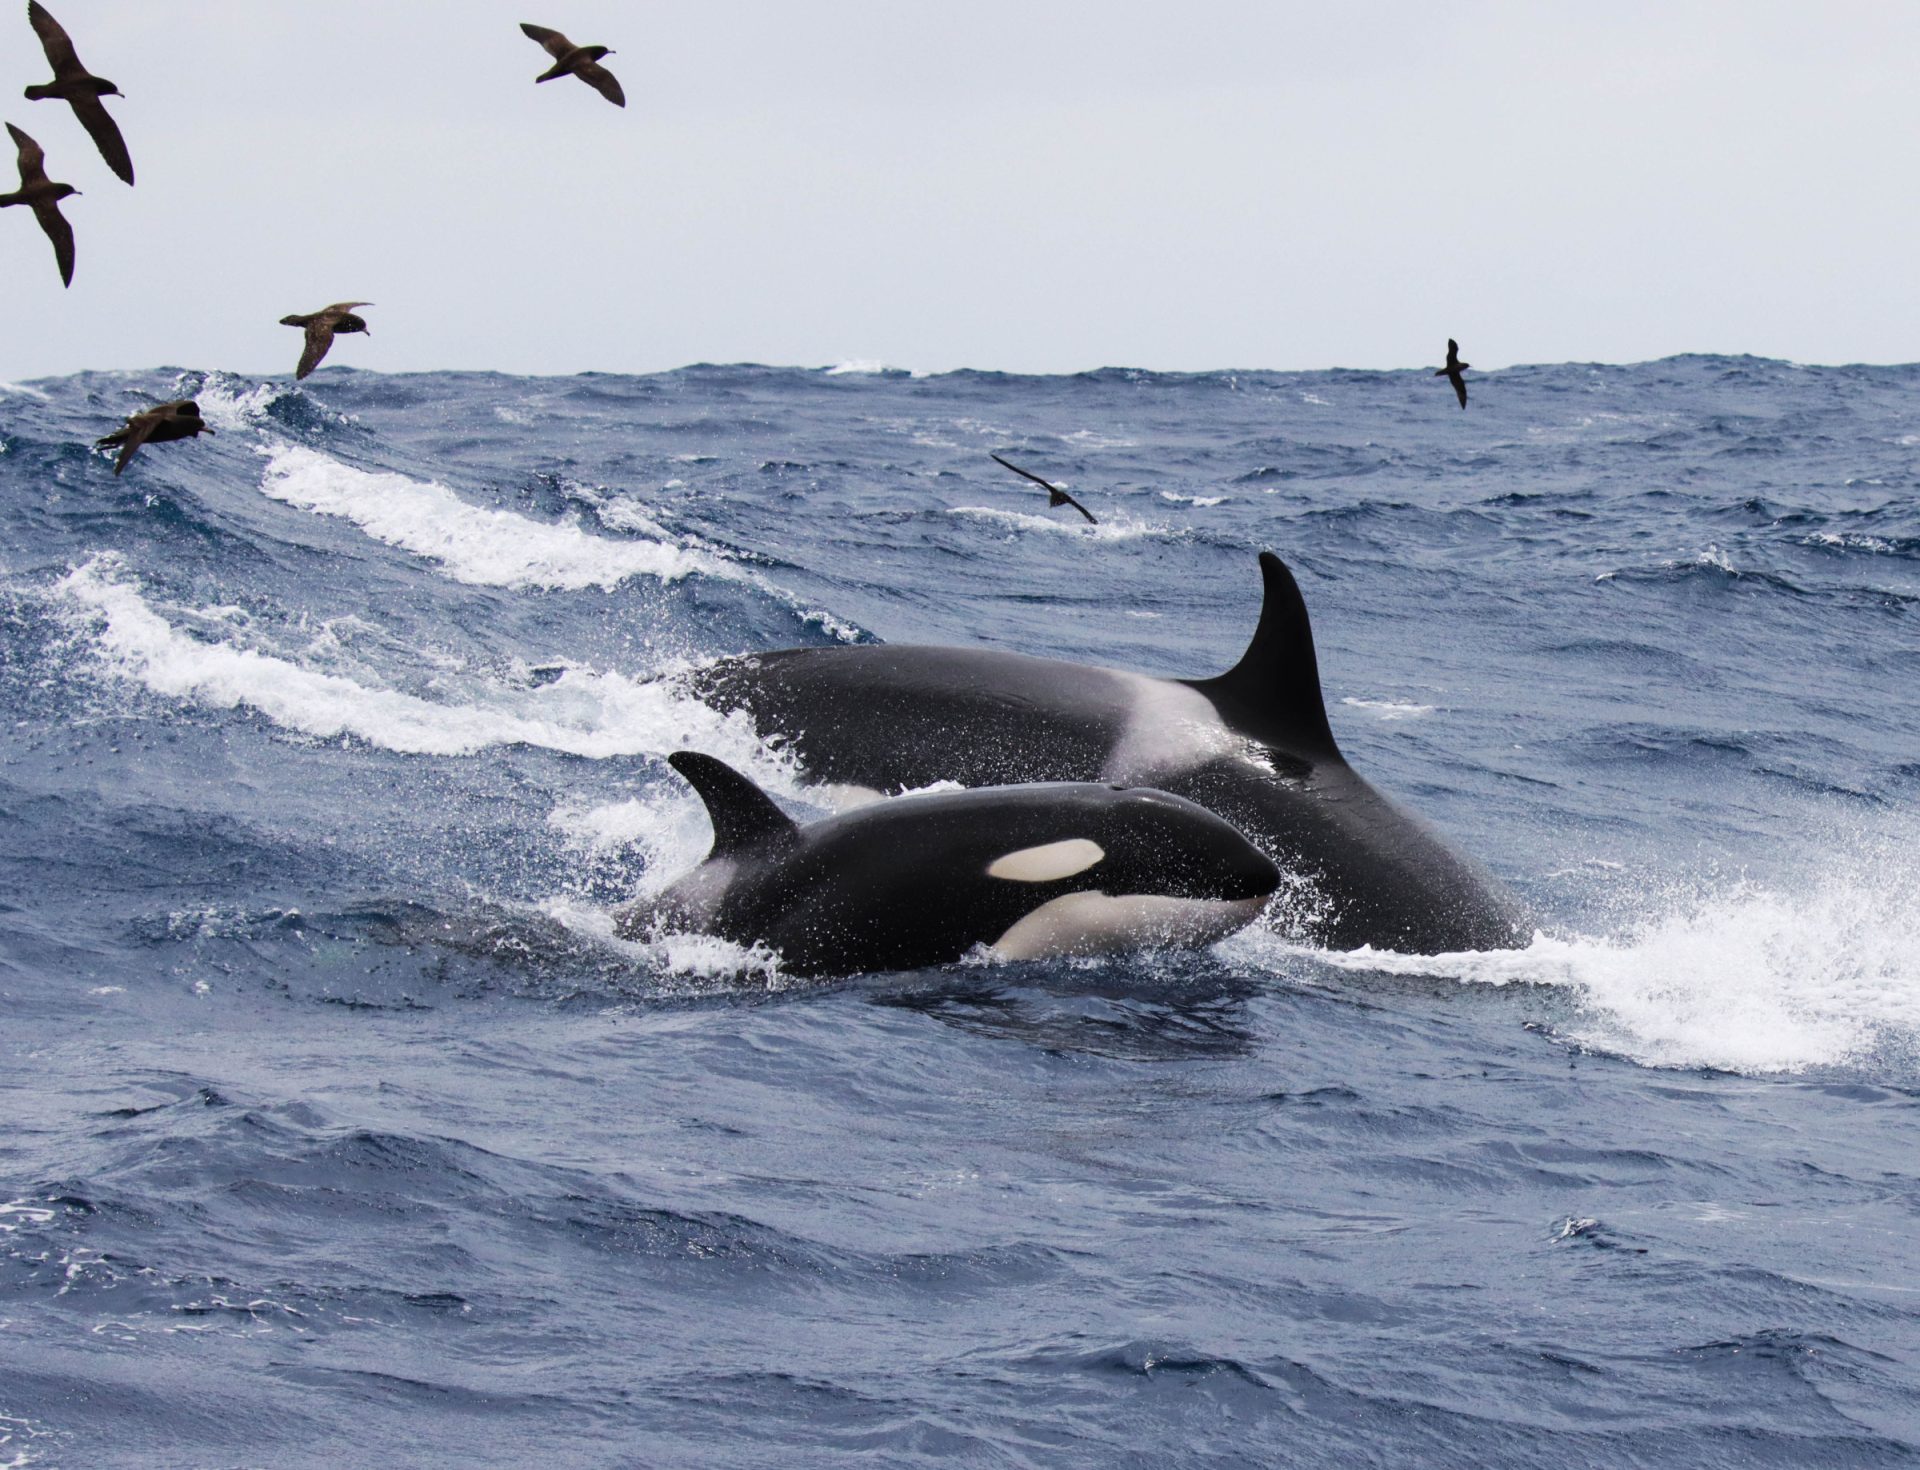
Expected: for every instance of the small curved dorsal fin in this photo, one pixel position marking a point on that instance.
(743, 815)
(1276, 685)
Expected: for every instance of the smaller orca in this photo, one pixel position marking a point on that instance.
(1054, 868)
(1453, 371)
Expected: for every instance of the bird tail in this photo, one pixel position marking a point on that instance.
(40, 93)
(556, 70)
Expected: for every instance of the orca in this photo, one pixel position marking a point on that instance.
(1252, 745)
(1059, 868)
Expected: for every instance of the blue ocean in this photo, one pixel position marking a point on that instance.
(340, 1129)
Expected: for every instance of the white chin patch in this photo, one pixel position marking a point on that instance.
(1048, 862)
(1099, 923)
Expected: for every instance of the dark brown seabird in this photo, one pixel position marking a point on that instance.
(1055, 495)
(321, 325)
(73, 84)
(1453, 373)
(577, 61)
(160, 424)
(43, 197)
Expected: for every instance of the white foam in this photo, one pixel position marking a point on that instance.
(1200, 500)
(18, 1214)
(701, 958)
(1850, 541)
(582, 712)
(1111, 527)
(493, 548)
(1713, 557)
(607, 827)
(226, 407)
(668, 831)
(17, 1435)
(819, 617)
(860, 366)
(709, 957)
(1756, 978)
(25, 391)
(982, 428)
(624, 515)
(1390, 709)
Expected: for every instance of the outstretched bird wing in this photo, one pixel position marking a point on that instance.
(1055, 495)
(54, 41)
(131, 437)
(33, 159)
(1060, 497)
(1459, 386)
(557, 45)
(319, 339)
(106, 135)
(61, 233)
(601, 80)
(341, 308)
(1453, 350)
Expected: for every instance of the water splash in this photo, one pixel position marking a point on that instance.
(598, 715)
(1755, 977)
(493, 548)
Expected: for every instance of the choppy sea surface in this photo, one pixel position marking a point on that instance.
(336, 1128)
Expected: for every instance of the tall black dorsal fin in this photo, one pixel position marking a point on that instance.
(1275, 688)
(743, 815)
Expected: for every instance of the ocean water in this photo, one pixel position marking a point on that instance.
(338, 1129)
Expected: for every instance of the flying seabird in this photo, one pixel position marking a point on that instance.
(1453, 373)
(43, 198)
(321, 326)
(157, 425)
(578, 61)
(73, 84)
(1055, 495)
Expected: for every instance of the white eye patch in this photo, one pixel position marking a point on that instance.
(1047, 862)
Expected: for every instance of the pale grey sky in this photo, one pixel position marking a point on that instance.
(1036, 185)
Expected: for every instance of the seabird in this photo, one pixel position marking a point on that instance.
(43, 198)
(158, 425)
(73, 84)
(1055, 495)
(1452, 372)
(321, 326)
(577, 61)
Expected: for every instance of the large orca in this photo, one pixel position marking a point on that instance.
(1252, 744)
(1027, 871)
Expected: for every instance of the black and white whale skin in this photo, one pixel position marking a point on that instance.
(1252, 745)
(1027, 871)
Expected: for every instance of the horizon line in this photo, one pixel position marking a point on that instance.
(877, 368)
